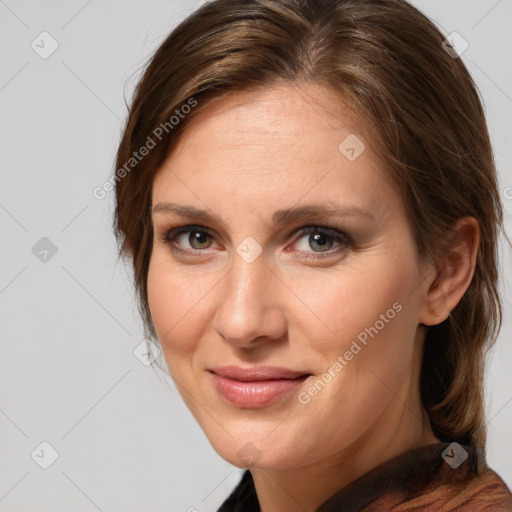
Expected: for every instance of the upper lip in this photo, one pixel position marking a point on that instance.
(257, 373)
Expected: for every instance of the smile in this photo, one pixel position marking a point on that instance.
(256, 388)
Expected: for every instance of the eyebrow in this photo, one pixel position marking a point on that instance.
(282, 216)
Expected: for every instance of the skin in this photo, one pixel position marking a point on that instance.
(242, 158)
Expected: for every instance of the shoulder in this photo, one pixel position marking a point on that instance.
(243, 498)
(427, 478)
(482, 492)
(469, 485)
(485, 491)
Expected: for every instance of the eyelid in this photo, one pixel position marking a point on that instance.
(341, 237)
(169, 235)
(322, 228)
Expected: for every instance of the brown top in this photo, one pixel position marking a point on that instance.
(439, 477)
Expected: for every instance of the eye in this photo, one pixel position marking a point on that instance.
(198, 238)
(322, 239)
(194, 240)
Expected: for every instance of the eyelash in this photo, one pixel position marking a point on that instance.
(343, 239)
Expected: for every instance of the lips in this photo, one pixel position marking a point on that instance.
(258, 373)
(250, 388)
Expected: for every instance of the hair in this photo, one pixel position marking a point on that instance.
(387, 63)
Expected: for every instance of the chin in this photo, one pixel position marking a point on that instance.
(254, 451)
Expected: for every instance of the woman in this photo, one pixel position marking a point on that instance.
(307, 193)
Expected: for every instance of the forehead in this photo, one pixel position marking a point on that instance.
(284, 113)
(272, 145)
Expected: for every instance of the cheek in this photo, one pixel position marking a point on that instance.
(342, 306)
(174, 298)
(368, 325)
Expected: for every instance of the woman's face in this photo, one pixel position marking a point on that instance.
(302, 259)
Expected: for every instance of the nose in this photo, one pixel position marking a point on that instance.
(250, 309)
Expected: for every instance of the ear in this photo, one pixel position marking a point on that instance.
(454, 273)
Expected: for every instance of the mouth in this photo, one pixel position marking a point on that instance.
(254, 388)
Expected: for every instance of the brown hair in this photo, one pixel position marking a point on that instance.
(387, 63)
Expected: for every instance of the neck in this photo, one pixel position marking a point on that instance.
(403, 425)
(305, 489)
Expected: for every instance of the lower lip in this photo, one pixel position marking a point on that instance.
(255, 394)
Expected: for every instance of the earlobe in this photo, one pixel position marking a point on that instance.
(436, 310)
(454, 273)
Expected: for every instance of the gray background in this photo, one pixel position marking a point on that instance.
(69, 326)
